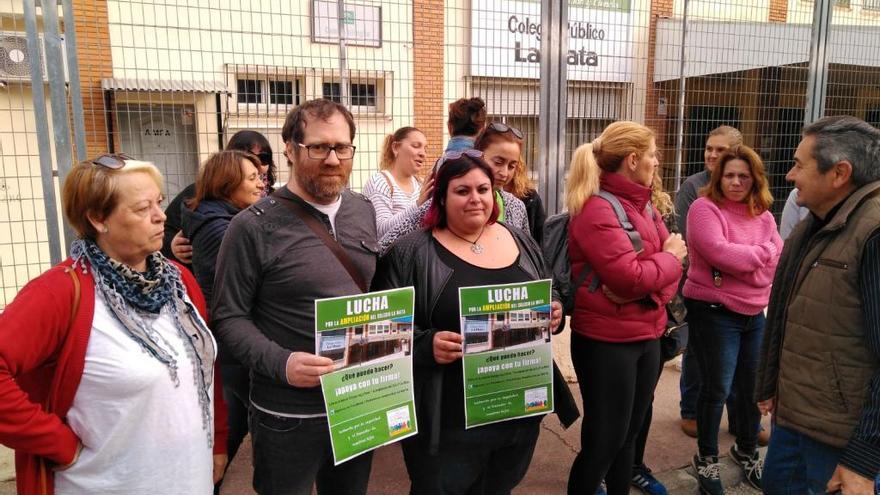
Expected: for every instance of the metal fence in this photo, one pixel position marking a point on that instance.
(170, 81)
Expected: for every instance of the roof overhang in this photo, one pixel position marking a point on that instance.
(163, 85)
(715, 47)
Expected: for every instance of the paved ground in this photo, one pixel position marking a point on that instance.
(668, 451)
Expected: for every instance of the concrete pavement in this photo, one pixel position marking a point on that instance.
(7, 471)
(668, 451)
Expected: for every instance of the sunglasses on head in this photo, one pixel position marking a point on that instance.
(265, 157)
(455, 155)
(113, 161)
(501, 128)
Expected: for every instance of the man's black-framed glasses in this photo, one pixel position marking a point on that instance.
(455, 155)
(113, 161)
(322, 150)
(501, 128)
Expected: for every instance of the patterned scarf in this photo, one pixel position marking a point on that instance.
(137, 299)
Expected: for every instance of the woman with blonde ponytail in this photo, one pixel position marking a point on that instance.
(396, 187)
(583, 178)
(619, 311)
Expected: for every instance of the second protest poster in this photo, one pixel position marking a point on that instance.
(508, 357)
(369, 397)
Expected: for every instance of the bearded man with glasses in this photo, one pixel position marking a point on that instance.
(311, 239)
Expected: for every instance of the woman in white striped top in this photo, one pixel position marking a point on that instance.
(396, 188)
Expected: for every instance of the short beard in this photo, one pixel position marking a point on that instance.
(323, 194)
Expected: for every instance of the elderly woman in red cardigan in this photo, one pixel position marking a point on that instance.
(106, 364)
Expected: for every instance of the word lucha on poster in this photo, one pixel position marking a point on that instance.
(507, 39)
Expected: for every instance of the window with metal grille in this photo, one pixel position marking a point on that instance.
(871, 4)
(284, 92)
(249, 90)
(872, 116)
(332, 91)
(363, 95)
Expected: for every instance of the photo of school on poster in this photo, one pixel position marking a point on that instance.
(509, 329)
(367, 344)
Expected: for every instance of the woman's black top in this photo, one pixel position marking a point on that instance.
(414, 261)
(446, 317)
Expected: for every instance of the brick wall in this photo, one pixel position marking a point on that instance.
(778, 11)
(93, 51)
(659, 9)
(428, 48)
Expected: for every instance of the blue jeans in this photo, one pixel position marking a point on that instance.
(727, 346)
(796, 464)
(292, 454)
(689, 385)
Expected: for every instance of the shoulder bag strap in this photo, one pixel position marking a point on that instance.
(385, 175)
(41, 461)
(76, 294)
(321, 231)
(74, 309)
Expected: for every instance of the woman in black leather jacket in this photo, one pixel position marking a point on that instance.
(462, 246)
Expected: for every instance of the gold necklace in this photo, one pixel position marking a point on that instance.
(476, 247)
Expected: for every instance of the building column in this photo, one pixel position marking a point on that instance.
(659, 9)
(428, 47)
(93, 53)
(659, 123)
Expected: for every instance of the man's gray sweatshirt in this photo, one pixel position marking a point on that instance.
(270, 270)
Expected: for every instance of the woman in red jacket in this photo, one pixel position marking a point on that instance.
(106, 365)
(619, 312)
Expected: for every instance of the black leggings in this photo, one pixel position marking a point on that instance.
(617, 384)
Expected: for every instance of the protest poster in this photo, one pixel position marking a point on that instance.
(507, 355)
(369, 397)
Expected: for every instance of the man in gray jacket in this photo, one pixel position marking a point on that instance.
(271, 267)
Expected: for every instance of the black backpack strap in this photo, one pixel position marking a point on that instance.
(634, 237)
(582, 276)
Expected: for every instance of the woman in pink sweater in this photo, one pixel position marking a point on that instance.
(734, 248)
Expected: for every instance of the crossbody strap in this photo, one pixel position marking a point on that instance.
(321, 231)
(387, 176)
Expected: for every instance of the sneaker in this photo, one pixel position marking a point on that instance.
(752, 465)
(708, 475)
(647, 483)
(689, 427)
